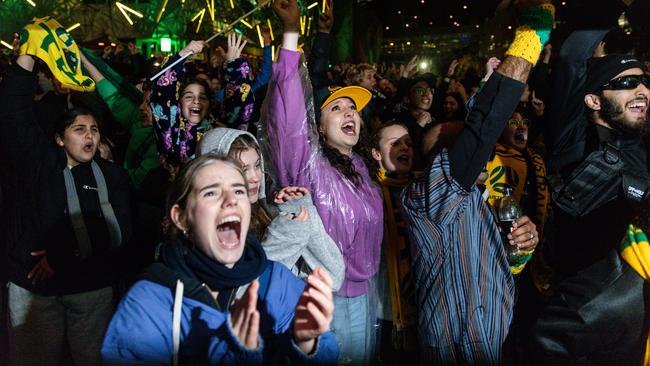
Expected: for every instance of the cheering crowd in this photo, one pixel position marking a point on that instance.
(246, 212)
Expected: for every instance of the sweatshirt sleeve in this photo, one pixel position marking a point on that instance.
(123, 109)
(287, 124)
(21, 138)
(267, 68)
(170, 131)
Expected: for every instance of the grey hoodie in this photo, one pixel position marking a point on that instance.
(287, 241)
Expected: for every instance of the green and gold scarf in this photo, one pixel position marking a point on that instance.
(398, 263)
(635, 250)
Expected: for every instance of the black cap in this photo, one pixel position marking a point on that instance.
(600, 70)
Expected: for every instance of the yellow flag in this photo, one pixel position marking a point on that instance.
(46, 39)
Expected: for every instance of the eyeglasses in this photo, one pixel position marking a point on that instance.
(513, 122)
(627, 82)
(421, 90)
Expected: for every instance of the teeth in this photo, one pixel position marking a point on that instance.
(228, 219)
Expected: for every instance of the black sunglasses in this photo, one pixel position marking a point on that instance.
(627, 82)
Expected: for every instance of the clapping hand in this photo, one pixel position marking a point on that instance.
(287, 194)
(246, 319)
(314, 310)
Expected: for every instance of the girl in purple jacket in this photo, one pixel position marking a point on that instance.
(313, 144)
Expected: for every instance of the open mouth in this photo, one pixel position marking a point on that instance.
(253, 190)
(195, 112)
(228, 231)
(348, 128)
(404, 159)
(88, 147)
(521, 137)
(638, 106)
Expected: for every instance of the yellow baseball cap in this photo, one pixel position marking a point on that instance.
(359, 95)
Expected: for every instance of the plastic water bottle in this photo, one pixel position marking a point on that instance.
(509, 211)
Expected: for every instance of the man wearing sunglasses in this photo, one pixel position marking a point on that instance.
(599, 194)
(599, 315)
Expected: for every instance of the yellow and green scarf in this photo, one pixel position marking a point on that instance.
(46, 39)
(398, 263)
(635, 250)
(508, 169)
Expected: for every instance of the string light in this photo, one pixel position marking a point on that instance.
(268, 21)
(259, 35)
(198, 26)
(244, 22)
(125, 9)
(74, 26)
(162, 10)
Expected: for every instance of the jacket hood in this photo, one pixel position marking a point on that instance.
(218, 141)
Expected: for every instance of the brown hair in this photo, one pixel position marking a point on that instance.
(373, 143)
(354, 74)
(260, 216)
(182, 186)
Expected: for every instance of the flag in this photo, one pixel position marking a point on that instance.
(46, 39)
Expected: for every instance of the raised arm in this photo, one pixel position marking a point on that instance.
(237, 106)
(170, 133)
(320, 51)
(21, 138)
(267, 62)
(287, 119)
(567, 124)
(125, 110)
(499, 98)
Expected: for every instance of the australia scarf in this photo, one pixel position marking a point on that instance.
(635, 250)
(46, 39)
(398, 262)
(509, 169)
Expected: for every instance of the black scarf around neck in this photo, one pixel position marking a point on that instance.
(184, 257)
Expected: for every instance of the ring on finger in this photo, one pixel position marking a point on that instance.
(532, 236)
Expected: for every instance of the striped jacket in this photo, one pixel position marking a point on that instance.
(465, 292)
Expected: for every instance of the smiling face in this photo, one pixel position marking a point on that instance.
(625, 110)
(395, 153)
(251, 164)
(194, 103)
(340, 123)
(80, 140)
(420, 96)
(217, 212)
(515, 134)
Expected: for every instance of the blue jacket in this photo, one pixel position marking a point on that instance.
(140, 332)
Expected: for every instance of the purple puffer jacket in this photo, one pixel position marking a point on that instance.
(353, 215)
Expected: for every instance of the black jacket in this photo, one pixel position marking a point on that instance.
(582, 236)
(600, 316)
(38, 218)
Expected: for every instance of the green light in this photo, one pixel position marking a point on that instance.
(165, 44)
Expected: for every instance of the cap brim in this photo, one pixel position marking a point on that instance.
(359, 95)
